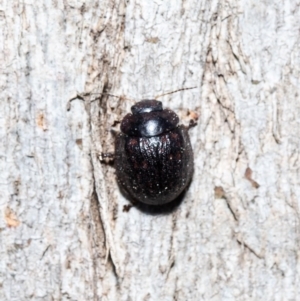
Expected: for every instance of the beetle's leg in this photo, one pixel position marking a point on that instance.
(192, 124)
(114, 133)
(193, 116)
(110, 156)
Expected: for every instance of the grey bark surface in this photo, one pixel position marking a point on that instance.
(64, 234)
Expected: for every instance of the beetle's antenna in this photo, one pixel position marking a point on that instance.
(82, 96)
(108, 94)
(174, 92)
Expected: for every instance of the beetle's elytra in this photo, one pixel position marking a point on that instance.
(153, 154)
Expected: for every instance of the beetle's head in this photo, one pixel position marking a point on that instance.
(148, 119)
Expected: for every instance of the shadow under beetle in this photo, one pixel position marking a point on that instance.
(153, 154)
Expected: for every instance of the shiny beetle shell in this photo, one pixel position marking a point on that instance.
(153, 156)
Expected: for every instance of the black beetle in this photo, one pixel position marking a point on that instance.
(153, 154)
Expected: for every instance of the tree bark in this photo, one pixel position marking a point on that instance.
(64, 231)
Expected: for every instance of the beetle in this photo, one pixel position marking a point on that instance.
(153, 154)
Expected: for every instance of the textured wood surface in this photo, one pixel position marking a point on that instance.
(64, 233)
